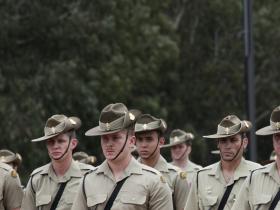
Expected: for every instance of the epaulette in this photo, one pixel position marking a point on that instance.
(38, 170)
(173, 168)
(5, 166)
(150, 169)
(84, 178)
(253, 172)
(86, 167)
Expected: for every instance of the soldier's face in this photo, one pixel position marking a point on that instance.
(180, 151)
(147, 143)
(232, 147)
(276, 143)
(112, 144)
(58, 145)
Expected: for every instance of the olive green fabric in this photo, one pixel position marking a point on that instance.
(10, 188)
(178, 136)
(147, 122)
(274, 126)
(230, 126)
(44, 184)
(144, 188)
(208, 186)
(58, 124)
(114, 118)
(259, 189)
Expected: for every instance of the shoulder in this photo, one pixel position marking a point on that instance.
(252, 165)
(149, 170)
(85, 167)
(7, 170)
(40, 169)
(194, 165)
(173, 168)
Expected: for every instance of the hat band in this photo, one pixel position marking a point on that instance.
(147, 127)
(114, 125)
(228, 130)
(275, 125)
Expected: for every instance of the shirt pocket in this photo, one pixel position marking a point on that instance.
(69, 198)
(261, 201)
(42, 200)
(209, 201)
(94, 200)
(132, 198)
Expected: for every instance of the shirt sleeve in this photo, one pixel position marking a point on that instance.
(29, 202)
(242, 199)
(80, 199)
(181, 191)
(193, 201)
(13, 192)
(160, 196)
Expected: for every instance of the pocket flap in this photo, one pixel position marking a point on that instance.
(131, 198)
(93, 200)
(210, 200)
(43, 200)
(261, 199)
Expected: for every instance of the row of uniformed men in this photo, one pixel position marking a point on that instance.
(121, 182)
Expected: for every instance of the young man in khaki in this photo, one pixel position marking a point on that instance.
(139, 187)
(261, 189)
(216, 186)
(149, 138)
(10, 188)
(181, 146)
(54, 186)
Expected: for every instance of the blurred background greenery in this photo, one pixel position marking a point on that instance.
(180, 60)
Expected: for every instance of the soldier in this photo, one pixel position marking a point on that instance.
(10, 158)
(83, 157)
(149, 138)
(54, 186)
(181, 147)
(10, 188)
(216, 186)
(261, 188)
(120, 182)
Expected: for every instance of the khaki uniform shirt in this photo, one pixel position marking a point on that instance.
(191, 168)
(10, 188)
(144, 189)
(176, 180)
(208, 186)
(259, 189)
(44, 184)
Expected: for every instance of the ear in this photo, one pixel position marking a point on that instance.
(74, 143)
(132, 140)
(189, 149)
(245, 142)
(161, 140)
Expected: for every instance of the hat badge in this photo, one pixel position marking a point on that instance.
(227, 131)
(72, 121)
(53, 129)
(108, 126)
(131, 116)
(176, 139)
(145, 126)
(277, 125)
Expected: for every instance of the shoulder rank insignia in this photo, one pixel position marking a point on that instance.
(162, 179)
(183, 175)
(14, 173)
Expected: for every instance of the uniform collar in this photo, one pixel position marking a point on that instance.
(133, 168)
(241, 170)
(73, 171)
(191, 166)
(161, 165)
(271, 169)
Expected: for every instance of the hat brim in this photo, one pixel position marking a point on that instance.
(96, 131)
(218, 136)
(43, 138)
(268, 130)
(174, 143)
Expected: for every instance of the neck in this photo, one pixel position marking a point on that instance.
(151, 161)
(181, 163)
(60, 167)
(118, 166)
(229, 167)
(277, 161)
